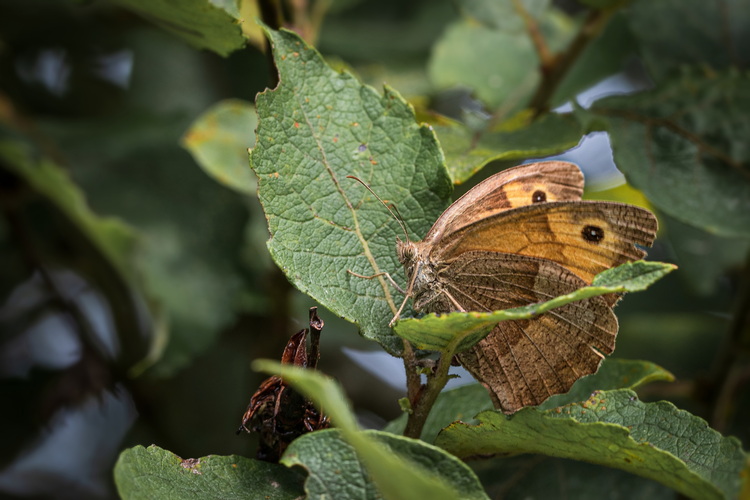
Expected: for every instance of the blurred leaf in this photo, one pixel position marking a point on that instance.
(219, 140)
(703, 258)
(502, 15)
(111, 236)
(467, 151)
(684, 145)
(490, 52)
(316, 128)
(414, 470)
(156, 473)
(201, 23)
(248, 12)
(190, 227)
(336, 472)
(600, 4)
(613, 428)
(101, 249)
(458, 331)
(500, 67)
(715, 34)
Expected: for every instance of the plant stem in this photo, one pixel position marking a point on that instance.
(427, 394)
(730, 373)
(555, 68)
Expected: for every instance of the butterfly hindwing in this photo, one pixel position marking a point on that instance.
(524, 362)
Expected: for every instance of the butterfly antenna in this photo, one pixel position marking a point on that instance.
(396, 215)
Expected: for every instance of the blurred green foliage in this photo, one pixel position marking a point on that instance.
(133, 258)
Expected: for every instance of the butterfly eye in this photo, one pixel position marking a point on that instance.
(594, 234)
(538, 197)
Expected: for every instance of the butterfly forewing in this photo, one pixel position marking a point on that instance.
(511, 188)
(586, 237)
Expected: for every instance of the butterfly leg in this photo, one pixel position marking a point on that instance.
(388, 277)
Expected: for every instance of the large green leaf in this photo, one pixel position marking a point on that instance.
(684, 145)
(458, 331)
(315, 129)
(201, 23)
(219, 140)
(614, 428)
(156, 473)
(400, 468)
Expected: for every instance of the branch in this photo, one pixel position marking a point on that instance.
(731, 371)
(555, 68)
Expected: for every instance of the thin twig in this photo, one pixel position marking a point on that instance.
(535, 33)
(554, 69)
(730, 373)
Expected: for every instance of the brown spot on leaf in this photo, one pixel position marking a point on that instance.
(191, 464)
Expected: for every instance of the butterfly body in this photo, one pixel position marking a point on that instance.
(519, 237)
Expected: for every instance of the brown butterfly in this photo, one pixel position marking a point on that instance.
(519, 237)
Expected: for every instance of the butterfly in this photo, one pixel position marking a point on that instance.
(519, 237)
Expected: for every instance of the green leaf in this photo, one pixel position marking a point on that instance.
(615, 429)
(335, 471)
(458, 331)
(500, 67)
(404, 475)
(315, 129)
(219, 140)
(490, 52)
(613, 374)
(684, 145)
(199, 22)
(698, 33)
(467, 150)
(534, 476)
(156, 473)
(462, 403)
(502, 15)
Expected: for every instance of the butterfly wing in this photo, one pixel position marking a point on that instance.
(511, 188)
(586, 237)
(524, 362)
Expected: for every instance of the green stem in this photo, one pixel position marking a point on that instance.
(425, 397)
